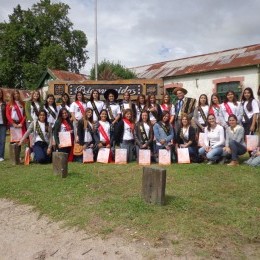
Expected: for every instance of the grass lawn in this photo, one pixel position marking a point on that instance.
(210, 211)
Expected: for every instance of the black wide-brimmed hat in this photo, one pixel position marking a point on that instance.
(111, 91)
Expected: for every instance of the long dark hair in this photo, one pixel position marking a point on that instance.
(54, 103)
(76, 96)
(148, 119)
(234, 99)
(11, 101)
(91, 95)
(208, 124)
(68, 102)
(138, 100)
(60, 114)
(250, 100)
(128, 110)
(2, 98)
(211, 99)
(91, 118)
(45, 121)
(149, 100)
(207, 102)
(104, 110)
(164, 113)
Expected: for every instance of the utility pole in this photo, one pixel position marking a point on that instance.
(96, 43)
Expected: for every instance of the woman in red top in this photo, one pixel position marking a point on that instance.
(15, 113)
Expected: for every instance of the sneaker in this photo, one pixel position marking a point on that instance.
(1, 159)
(32, 156)
(233, 163)
(210, 162)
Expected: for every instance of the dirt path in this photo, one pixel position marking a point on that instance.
(25, 235)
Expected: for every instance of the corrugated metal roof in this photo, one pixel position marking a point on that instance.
(238, 57)
(67, 76)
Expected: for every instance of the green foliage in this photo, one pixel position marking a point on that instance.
(111, 71)
(36, 39)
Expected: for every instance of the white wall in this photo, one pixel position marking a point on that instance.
(203, 83)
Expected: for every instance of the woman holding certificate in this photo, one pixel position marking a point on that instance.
(63, 133)
(15, 113)
(42, 138)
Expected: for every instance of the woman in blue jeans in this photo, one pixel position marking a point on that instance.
(214, 141)
(235, 144)
(3, 124)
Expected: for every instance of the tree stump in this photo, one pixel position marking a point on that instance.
(14, 153)
(60, 164)
(153, 185)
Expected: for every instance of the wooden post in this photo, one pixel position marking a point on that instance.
(14, 153)
(153, 185)
(60, 164)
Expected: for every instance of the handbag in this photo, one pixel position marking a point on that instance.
(77, 149)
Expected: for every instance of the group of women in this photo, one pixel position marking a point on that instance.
(145, 124)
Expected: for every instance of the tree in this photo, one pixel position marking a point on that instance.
(36, 39)
(111, 71)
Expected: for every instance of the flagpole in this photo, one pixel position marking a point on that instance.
(96, 43)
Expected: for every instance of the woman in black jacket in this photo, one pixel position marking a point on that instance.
(186, 138)
(143, 133)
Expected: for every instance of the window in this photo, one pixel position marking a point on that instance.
(224, 87)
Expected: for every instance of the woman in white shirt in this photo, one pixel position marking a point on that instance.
(42, 138)
(214, 141)
(77, 111)
(250, 111)
(95, 104)
(65, 102)
(230, 106)
(51, 109)
(201, 113)
(214, 108)
(140, 106)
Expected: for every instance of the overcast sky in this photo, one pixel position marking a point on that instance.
(141, 32)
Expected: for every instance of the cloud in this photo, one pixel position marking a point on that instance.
(143, 32)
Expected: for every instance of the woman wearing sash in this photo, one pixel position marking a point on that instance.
(42, 138)
(63, 124)
(51, 109)
(15, 113)
(33, 107)
(250, 111)
(3, 125)
(124, 134)
(95, 104)
(65, 102)
(103, 132)
(186, 138)
(143, 133)
(77, 110)
(230, 106)
(214, 141)
(154, 109)
(86, 132)
(214, 108)
(140, 106)
(235, 144)
(201, 113)
(128, 104)
(163, 132)
(113, 110)
(166, 105)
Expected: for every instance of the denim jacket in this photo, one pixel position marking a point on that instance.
(160, 134)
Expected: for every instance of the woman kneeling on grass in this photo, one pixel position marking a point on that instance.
(235, 144)
(42, 138)
(214, 141)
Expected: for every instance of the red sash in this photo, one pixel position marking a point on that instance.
(228, 109)
(129, 123)
(20, 116)
(103, 132)
(166, 107)
(80, 107)
(18, 112)
(211, 110)
(68, 129)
